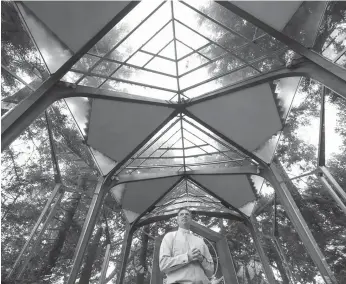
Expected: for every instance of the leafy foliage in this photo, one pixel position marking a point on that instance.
(28, 180)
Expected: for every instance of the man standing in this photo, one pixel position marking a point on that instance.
(184, 257)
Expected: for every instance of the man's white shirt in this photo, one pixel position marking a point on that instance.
(174, 258)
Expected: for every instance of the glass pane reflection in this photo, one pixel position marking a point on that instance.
(54, 52)
(331, 38)
(304, 24)
(223, 81)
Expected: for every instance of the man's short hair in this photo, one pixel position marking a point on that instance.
(184, 208)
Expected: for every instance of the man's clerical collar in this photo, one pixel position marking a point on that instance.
(184, 231)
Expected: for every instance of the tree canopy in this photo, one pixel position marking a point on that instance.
(29, 174)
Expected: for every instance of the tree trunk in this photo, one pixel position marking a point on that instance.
(280, 267)
(307, 212)
(54, 253)
(273, 256)
(90, 258)
(143, 256)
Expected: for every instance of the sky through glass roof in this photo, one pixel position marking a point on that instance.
(187, 194)
(184, 145)
(175, 51)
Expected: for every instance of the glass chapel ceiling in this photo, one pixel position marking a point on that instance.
(173, 50)
(183, 145)
(188, 194)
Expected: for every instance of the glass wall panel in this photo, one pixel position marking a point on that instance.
(298, 146)
(73, 155)
(12, 91)
(326, 221)
(281, 243)
(342, 61)
(26, 184)
(20, 57)
(331, 38)
(335, 133)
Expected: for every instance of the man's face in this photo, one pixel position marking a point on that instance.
(184, 218)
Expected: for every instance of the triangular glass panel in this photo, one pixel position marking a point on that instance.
(143, 34)
(187, 194)
(54, 52)
(190, 16)
(160, 40)
(248, 208)
(176, 192)
(132, 20)
(80, 108)
(209, 28)
(184, 143)
(208, 149)
(212, 47)
(168, 51)
(104, 163)
(120, 62)
(188, 36)
(182, 50)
